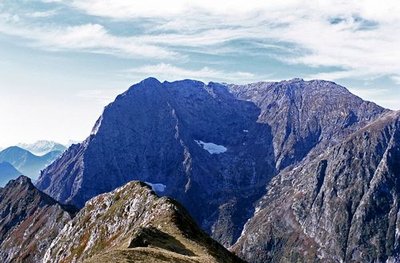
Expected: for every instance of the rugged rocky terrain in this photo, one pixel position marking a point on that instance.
(29, 221)
(341, 206)
(211, 146)
(133, 224)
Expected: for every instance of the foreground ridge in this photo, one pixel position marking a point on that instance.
(133, 224)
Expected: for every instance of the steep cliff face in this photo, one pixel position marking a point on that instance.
(133, 224)
(212, 146)
(341, 206)
(306, 116)
(29, 221)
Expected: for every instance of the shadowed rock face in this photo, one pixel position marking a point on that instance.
(133, 224)
(157, 132)
(341, 206)
(29, 221)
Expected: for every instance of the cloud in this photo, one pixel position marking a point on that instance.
(86, 37)
(43, 14)
(170, 72)
(360, 37)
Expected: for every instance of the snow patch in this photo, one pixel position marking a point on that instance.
(212, 147)
(158, 188)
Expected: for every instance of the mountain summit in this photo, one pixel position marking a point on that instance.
(133, 224)
(212, 146)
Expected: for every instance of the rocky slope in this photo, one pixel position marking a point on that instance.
(133, 224)
(26, 162)
(29, 221)
(341, 206)
(212, 146)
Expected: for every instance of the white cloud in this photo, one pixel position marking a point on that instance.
(361, 37)
(170, 72)
(87, 37)
(43, 14)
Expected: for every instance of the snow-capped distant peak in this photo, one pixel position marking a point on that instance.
(212, 147)
(42, 147)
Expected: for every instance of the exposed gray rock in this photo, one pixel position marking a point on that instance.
(341, 206)
(132, 223)
(29, 221)
(157, 132)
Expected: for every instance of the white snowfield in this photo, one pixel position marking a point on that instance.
(158, 188)
(212, 147)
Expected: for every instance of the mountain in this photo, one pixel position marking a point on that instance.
(7, 172)
(42, 147)
(212, 146)
(29, 221)
(26, 162)
(341, 206)
(133, 224)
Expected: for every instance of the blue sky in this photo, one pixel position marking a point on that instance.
(62, 61)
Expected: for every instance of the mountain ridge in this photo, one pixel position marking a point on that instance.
(151, 133)
(133, 223)
(26, 162)
(7, 172)
(29, 221)
(338, 207)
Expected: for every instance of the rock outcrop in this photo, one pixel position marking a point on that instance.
(133, 224)
(29, 221)
(340, 206)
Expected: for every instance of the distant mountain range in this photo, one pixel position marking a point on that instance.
(24, 162)
(42, 147)
(290, 171)
(7, 173)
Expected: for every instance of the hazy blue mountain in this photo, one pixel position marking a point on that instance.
(26, 162)
(42, 147)
(7, 173)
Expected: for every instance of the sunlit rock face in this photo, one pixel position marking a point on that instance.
(133, 224)
(214, 147)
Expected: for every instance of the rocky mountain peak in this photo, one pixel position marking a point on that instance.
(210, 145)
(133, 222)
(29, 220)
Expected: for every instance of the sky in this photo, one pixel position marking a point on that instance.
(62, 61)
